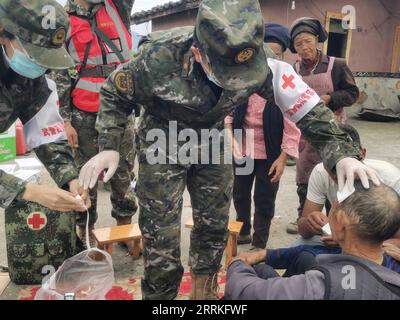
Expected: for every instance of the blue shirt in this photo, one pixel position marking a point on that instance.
(282, 258)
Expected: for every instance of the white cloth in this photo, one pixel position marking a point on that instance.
(293, 96)
(47, 125)
(321, 186)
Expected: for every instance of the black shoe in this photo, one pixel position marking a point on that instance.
(244, 239)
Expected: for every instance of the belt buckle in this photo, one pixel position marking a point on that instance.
(108, 70)
(99, 70)
(105, 70)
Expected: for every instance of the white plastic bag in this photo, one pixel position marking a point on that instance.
(87, 278)
(88, 275)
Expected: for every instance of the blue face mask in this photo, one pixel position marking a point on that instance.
(24, 66)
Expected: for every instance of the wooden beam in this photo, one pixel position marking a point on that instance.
(339, 16)
(396, 52)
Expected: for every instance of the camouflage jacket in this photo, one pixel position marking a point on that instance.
(167, 82)
(63, 77)
(22, 98)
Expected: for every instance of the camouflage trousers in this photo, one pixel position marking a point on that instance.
(160, 192)
(122, 198)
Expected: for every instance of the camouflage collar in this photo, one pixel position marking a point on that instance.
(188, 65)
(77, 9)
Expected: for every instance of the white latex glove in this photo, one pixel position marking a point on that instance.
(347, 168)
(91, 170)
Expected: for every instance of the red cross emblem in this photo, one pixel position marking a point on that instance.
(36, 221)
(288, 82)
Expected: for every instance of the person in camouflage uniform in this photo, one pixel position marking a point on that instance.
(80, 125)
(37, 235)
(194, 78)
(22, 96)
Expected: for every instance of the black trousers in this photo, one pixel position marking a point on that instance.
(303, 262)
(264, 201)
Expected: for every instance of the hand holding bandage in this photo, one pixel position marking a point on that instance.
(80, 192)
(52, 197)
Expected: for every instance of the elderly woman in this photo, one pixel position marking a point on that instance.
(360, 224)
(275, 138)
(331, 78)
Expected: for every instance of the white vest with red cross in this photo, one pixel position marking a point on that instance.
(83, 41)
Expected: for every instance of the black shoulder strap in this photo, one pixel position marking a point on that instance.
(89, 45)
(92, 21)
(391, 287)
(108, 42)
(100, 34)
(328, 280)
(85, 58)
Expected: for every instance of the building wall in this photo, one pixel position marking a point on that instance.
(371, 48)
(181, 19)
(379, 93)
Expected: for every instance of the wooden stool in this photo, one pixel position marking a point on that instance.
(231, 247)
(106, 237)
(4, 281)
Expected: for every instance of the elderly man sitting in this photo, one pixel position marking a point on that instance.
(360, 225)
(323, 186)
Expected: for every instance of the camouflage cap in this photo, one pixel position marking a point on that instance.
(41, 27)
(231, 35)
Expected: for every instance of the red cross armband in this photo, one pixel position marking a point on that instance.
(292, 95)
(47, 125)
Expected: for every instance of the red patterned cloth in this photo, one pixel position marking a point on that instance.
(130, 289)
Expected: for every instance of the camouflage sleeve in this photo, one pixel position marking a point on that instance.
(10, 188)
(63, 81)
(58, 159)
(117, 101)
(124, 8)
(320, 129)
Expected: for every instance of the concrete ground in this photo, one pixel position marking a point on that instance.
(382, 141)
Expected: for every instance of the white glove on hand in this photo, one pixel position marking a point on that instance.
(347, 168)
(91, 170)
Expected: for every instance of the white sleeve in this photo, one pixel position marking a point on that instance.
(292, 95)
(316, 191)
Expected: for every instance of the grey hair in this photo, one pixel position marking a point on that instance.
(375, 212)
